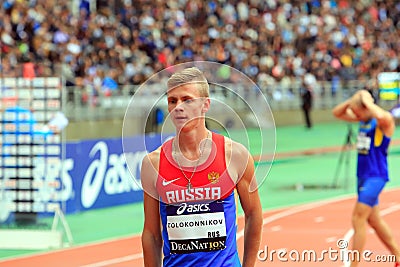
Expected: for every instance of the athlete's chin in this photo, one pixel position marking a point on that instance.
(179, 124)
(184, 126)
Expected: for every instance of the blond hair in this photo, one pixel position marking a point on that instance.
(190, 75)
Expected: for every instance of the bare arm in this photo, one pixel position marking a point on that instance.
(343, 111)
(151, 235)
(250, 201)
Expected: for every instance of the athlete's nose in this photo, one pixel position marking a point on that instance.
(179, 105)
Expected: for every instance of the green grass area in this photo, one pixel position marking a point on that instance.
(295, 138)
(280, 180)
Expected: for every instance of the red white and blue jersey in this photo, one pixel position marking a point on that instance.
(199, 225)
(372, 147)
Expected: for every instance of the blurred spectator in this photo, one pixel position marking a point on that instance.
(28, 68)
(109, 84)
(306, 95)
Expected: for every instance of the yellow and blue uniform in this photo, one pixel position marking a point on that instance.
(372, 166)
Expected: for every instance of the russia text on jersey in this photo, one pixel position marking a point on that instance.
(194, 194)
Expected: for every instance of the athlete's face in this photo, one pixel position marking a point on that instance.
(187, 107)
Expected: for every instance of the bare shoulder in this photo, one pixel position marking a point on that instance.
(152, 159)
(235, 149)
(149, 172)
(237, 157)
(387, 123)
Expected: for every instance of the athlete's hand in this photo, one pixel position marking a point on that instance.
(361, 98)
(366, 97)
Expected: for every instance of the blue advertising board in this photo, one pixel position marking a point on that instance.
(96, 173)
(93, 174)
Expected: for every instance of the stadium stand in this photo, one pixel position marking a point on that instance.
(273, 42)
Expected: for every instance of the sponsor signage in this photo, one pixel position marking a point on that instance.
(93, 174)
(389, 85)
(99, 172)
(196, 227)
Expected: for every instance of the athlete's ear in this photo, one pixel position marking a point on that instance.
(206, 105)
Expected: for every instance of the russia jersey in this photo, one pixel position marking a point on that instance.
(199, 225)
(372, 147)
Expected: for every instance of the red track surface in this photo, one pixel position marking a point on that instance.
(304, 229)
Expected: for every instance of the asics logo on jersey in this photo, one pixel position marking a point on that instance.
(192, 208)
(165, 183)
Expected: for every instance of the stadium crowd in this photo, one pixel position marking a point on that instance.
(271, 41)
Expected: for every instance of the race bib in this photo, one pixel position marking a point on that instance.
(363, 143)
(196, 227)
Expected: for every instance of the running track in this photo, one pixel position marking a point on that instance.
(316, 226)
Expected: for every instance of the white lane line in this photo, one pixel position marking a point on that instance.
(296, 209)
(274, 217)
(276, 228)
(331, 239)
(287, 212)
(115, 260)
(74, 247)
(349, 233)
(240, 234)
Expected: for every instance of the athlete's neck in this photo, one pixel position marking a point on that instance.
(190, 143)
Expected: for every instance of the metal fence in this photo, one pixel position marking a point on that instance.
(83, 104)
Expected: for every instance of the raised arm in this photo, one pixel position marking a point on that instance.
(151, 235)
(343, 111)
(250, 201)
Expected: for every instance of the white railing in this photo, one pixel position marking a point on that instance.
(82, 105)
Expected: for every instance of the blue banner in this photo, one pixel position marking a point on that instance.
(93, 174)
(96, 175)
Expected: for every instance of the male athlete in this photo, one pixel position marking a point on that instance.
(190, 186)
(376, 128)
